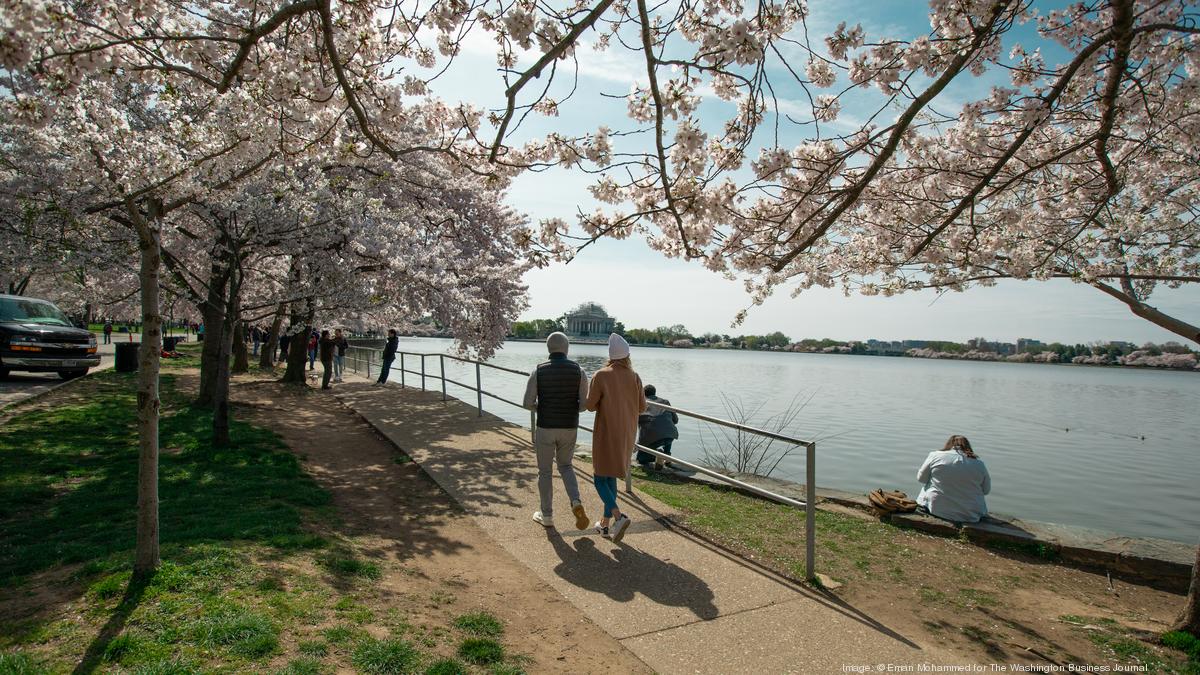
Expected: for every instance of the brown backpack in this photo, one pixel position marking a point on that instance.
(893, 501)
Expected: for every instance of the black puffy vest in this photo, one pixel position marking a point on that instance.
(558, 394)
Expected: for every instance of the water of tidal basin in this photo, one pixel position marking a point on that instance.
(1106, 448)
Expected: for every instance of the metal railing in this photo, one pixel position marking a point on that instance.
(367, 358)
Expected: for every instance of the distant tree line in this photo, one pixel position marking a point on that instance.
(1166, 355)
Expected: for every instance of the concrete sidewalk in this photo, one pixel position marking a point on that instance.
(677, 602)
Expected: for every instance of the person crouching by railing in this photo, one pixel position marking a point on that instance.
(617, 398)
(557, 390)
(656, 429)
(955, 481)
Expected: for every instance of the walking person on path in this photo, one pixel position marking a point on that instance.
(656, 429)
(327, 347)
(256, 336)
(108, 332)
(558, 390)
(285, 339)
(389, 355)
(617, 398)
(339, 357)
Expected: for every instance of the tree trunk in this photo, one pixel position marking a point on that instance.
(230, 328)
(149, 242)
(1189, 619)
(297, 356)
(212, 312)
(267, 358)
(241, 355)
(221, 385)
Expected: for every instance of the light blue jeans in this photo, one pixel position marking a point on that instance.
(339, 365)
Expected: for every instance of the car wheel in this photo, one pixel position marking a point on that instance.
(72, 374)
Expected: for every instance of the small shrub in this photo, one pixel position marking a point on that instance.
(303, 666)
(342, 635)
(1184, 642)
(480, 623)
(121, 647)
(345, 566)
(446, 667)
(244, 633)
(172, 666)
(313, 648)
(506, 669)
(385, 656)
(16, 663)
(110, 586)
(481, 651)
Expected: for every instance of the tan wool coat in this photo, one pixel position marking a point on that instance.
(617, 398)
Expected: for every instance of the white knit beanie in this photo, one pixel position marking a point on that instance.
(618, 348)
(557, 343)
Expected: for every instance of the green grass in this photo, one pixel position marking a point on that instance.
(304, 666)
(1184, 642)
(17, 663)
(481, 651)
(446, 667)
(480, 623)
(344, 564)
(68, 476)
(386, 656)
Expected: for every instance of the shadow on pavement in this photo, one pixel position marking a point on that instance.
(629, 572)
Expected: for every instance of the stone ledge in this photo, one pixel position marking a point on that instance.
(1160, 563)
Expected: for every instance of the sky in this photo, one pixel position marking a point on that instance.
(643, 289)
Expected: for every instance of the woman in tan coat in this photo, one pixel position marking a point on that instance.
(617, 398)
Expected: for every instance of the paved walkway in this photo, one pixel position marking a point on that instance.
(677, 602)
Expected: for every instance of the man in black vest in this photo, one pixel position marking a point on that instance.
(558, 390)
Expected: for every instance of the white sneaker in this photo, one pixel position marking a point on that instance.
(600, 530)
(619, 526)
(544, 521)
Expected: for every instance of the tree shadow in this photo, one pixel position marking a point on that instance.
(115, 624)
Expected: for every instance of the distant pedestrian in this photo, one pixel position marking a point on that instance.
(954, 481)
(389, 355)
(656, 429)
(313, 339)
(256, 337)
(557, 390)
(108, 332)
(200, 333)
(285, 339)
(339, 357)
(617, 398)
(327, 347)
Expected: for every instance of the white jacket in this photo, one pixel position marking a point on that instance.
(954, 486)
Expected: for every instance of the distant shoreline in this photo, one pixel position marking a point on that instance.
(948, 357)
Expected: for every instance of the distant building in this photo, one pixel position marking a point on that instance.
(1025, 344)
(589, 320)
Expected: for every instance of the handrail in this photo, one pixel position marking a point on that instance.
(810, 446)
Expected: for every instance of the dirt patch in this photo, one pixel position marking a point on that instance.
(435, 562)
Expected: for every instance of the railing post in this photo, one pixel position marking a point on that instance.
(533, 427)
(442, 364)
(478, 389)
(628, 481)
(810, 510)
(369, 365)
(422, 372)
(401, 370)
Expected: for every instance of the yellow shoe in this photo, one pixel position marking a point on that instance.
(581, 519)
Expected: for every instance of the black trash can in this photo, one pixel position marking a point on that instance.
(127, 357)
(170, 342)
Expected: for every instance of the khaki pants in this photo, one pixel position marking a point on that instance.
(555, 446)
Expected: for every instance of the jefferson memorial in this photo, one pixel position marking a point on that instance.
(589, 320)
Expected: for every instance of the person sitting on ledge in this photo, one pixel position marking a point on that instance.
(954, 482)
